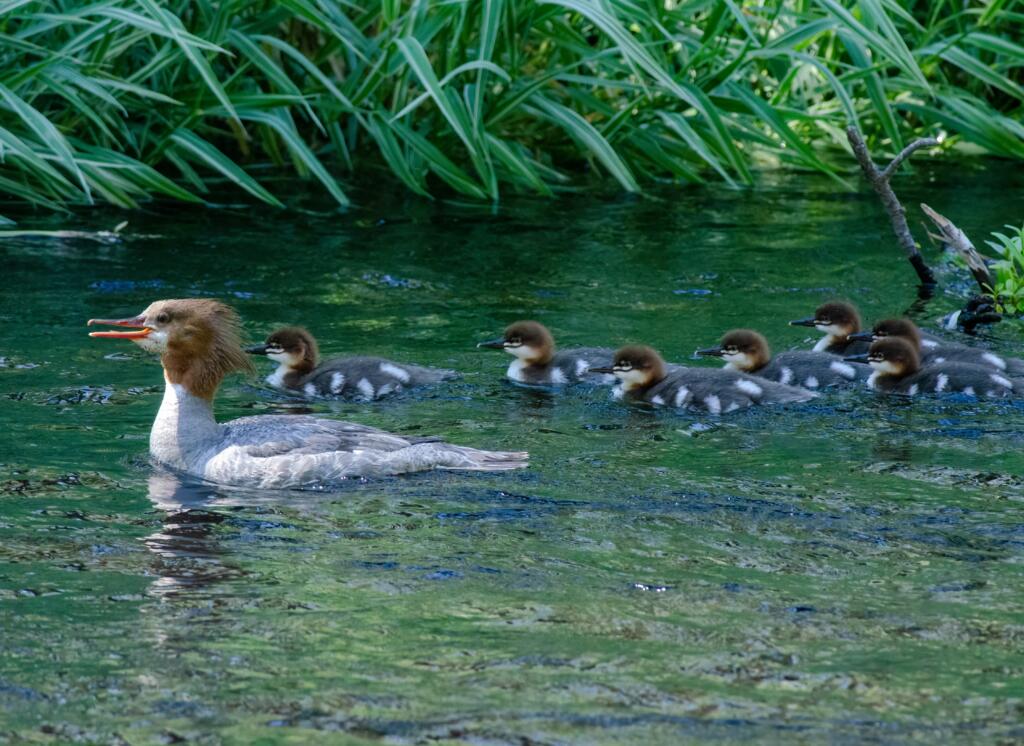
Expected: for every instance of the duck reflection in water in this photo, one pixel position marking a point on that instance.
(188, 557)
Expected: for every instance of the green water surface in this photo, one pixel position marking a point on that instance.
(845, 571)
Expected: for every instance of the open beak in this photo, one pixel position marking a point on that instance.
(493, 344)
(857, 358)
(861, 336)
(711, 352)
(257, 350)
(137, 321)
(610, 371)
(809, 321)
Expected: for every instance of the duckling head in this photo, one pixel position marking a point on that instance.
(742, 349)
(292, 347)
(891, 356)
(837, 319)
(529, 341)
(636, 366)
(903, 328)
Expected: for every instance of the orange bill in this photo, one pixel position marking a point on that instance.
(133, 334)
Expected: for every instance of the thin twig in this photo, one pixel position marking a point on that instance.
(879, 179)
(924, 142)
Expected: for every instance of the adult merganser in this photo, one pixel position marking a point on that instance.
(538, 363)
(198, 343)
(898, 370)
(295, 350)
(644, 376)
(933, 350)
(747, 351)
(838, 320)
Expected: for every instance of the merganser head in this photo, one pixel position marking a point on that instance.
(197, 340)
(527, 340)
(637, 366)
(903, 328)
(891, 356)
(837, 319)
(293, 347)
(742, 349)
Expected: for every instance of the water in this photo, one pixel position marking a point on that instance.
(848, 570)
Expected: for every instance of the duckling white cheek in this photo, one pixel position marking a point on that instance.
(834, 330)
(631, 378)
(285, 358)
(885, 366)
(739, 360)
(523, 352)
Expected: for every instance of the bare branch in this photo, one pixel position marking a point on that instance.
(897, 215)
(953, 236)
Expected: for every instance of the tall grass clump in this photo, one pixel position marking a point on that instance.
(122, 100)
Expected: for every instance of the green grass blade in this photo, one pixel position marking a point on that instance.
(176, 31)
(206, 153)
(584, 132)
(47, 134)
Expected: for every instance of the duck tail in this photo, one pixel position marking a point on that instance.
(463, 458)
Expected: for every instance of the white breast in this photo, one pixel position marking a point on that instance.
(515, 371)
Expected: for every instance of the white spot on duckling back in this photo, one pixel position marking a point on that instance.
(581, 367)
(657, 400)
(811, 382)
(682, 394)
(337, 382)
(309, 389)
(786, 375)
(844, 369)
(872, 379)
(749, 387)
(558, 376)
(386, 389)
(365, 388)
(929, 344)
(940, 383)
(395, 372)
(938, 360)
(969, 390)
(713, 404)
(994, 360)
(913, 390)
(1004, 382)
(732, 407)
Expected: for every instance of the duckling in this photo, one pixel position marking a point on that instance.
(747, 351)
(934, 350)
(538, 363)
(838, 320)
(643, 376)
(898, 370)
(296, 352)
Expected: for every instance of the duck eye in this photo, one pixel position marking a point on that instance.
(515, 341)
(163, 317)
